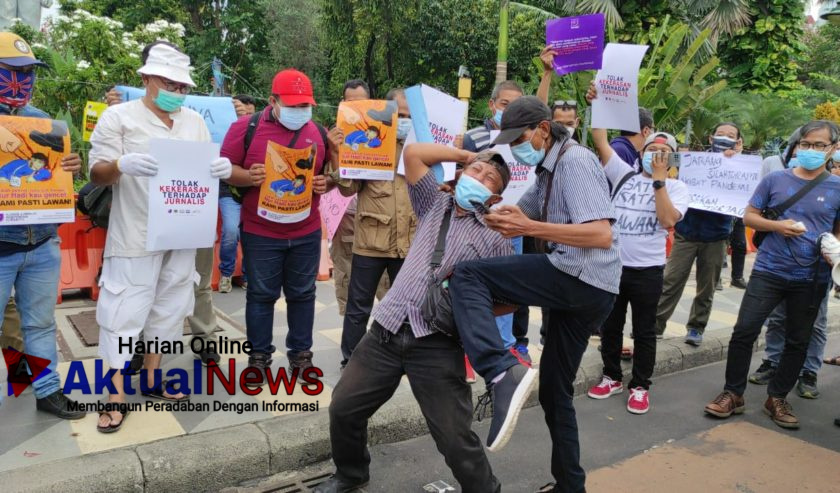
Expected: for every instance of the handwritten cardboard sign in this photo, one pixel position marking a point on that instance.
(720, 184)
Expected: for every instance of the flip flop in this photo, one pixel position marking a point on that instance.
(158, 393)
(112, 428)
(835, 361)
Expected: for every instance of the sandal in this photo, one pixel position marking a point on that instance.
(111, 428)
(547, 488)
(835, 361)
(158, 393)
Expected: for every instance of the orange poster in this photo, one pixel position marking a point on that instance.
(286, 194)
(370, 139)
(33, 187)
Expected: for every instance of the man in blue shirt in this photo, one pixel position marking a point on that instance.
(789, 268)
(30, 259)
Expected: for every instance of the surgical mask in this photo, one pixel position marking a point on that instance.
(811, 159)
(16, 87)
(526, 154)
(721, 143)
(294, 118)
(836, 156)
(403, 127)
(169, 101)
(497, 118)
(469, 189)
(647, 162)
(571, 131)
(793, 163)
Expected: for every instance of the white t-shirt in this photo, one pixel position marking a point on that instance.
(127, 128)
(642, 240)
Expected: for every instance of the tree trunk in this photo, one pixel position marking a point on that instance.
(369, 64)
(502, 56)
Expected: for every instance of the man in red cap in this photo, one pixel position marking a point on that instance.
(280, 253)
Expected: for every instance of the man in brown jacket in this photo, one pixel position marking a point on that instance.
(384, 228)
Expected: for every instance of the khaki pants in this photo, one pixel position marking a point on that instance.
(709, 257)
(341, 253)
(10, 334)
(203, 319)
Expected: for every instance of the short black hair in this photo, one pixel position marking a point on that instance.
(645, 121)
(245, 99)
(813, 126)
(564, 107)
(354, 84)
(730, 124)
(145, 55)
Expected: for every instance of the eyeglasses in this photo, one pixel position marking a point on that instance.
(819, 146)
(565, 104)
(174, 86)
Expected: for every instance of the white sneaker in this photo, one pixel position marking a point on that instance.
(225, 284)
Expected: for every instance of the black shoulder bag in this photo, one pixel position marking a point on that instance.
(774, 213)
(436, 308)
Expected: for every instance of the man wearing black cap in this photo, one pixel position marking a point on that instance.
(569, 212)
(401, 342)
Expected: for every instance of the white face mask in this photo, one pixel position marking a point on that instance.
(293, 118)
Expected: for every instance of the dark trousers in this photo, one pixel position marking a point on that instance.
(365, 274)
(280, 266)
(738, 244)
(575, 308)
(435, 368)
(764, 292)
(640, 288)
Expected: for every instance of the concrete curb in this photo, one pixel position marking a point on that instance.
(212, 460)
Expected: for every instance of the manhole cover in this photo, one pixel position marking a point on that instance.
(88, 330)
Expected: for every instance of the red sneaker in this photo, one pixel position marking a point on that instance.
(638, 402)
(470, 372)
(606, 388)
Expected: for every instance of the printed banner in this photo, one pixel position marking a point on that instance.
(579, 42)
(521, 176)
(436, 117)
(93, 110)
(333, 206)
(286, 194)
(33, 187)
(218, 112)
(718, 183)
(183, 196)
(617, 105)
(370, 139)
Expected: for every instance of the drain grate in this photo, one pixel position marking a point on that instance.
(296, 485)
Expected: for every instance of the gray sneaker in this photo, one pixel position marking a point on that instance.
(694, 337)
(806, 387)
(225, 284)
(509, 395)
(764, 373)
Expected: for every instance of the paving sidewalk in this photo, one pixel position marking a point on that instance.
(160, 450)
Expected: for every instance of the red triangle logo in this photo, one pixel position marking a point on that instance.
(23, 369)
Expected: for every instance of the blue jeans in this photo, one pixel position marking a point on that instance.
(288, 266)
(230, 211)
(775, 336)
(34, 275)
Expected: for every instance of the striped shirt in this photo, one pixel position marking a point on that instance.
(468, 238)
(579, 194)
(478, 138)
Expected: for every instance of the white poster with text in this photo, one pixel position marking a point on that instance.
(617, 104)
(718, 183)
(521, 176)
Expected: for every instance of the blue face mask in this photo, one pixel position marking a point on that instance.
(811, 159)
(647, 163)
(836, 157)
(793, 163)
(294, 118)
(169, 101)
(403, 127)
(497, 118)
(469, 189)
(721, 143)
(526, 154)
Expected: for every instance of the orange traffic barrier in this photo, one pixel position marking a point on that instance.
(82, 246)
(750, 247)
(324, 266)
(669, 242)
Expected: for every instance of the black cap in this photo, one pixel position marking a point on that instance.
(520, 115)
(494, 158)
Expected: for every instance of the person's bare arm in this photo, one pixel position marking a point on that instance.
(510, 221)
(753, 219)
(418, 157)
(547, 58)
(666, 213)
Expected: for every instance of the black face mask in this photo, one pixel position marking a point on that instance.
(721, 143)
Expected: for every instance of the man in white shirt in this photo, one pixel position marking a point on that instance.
(647, 204)
(143, 291)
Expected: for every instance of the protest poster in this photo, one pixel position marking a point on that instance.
(183, 196)
(617, 105)
(33, 187)
(333, 206)
(370, 139)
(521, 176)
(718, 183)
(93, 110)
(578, 41)
(286, 193)
(436, 117)
(218, 112)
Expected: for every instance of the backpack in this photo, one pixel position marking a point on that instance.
(95, 203)
(238, 193)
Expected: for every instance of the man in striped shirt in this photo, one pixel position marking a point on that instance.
(569, 210)
(400, 341)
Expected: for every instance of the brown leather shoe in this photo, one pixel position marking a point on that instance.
(725, 405)
(781, 412)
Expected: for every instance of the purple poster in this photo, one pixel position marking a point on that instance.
(578, 41)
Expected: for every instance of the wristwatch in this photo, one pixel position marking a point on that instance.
(657, 184)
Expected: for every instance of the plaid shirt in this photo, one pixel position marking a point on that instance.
(468, 238)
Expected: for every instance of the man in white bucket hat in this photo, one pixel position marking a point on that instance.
(143, 291)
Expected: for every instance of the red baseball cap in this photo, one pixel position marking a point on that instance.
(292, 87)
